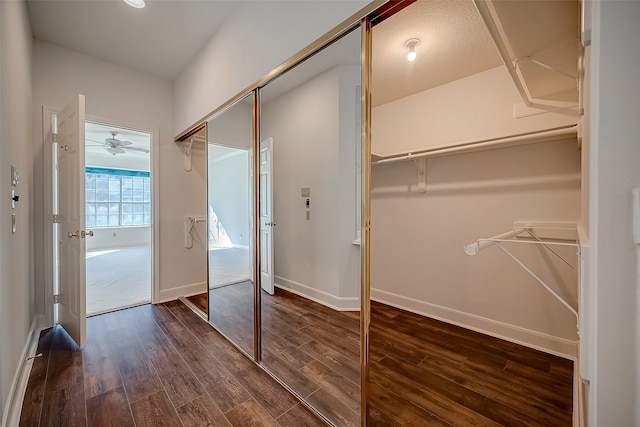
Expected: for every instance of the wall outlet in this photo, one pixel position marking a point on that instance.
(305, 191)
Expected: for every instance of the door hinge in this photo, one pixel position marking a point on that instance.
(57, 219)
(57, 299)
(54, 137)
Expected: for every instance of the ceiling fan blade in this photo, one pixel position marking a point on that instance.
(114, 150)
(125, 143)
(142, 150)
(93, 140)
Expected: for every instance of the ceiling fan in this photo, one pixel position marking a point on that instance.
(118, 146)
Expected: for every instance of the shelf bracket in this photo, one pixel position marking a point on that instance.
(187, 155)
(421, 166)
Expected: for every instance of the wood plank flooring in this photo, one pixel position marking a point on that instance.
(426, 372)
(314, 349)
(200, 301)
(163, 365)
(422, 371)
(153, 366)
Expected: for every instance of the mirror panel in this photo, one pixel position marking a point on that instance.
(309, 175)
(229, 195)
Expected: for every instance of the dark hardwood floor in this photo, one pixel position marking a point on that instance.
(231, 311)
(200, 301)
(426, 372)
(422, 371)
(312, 348)
(163, 365)
(316, 350)
(153, 366)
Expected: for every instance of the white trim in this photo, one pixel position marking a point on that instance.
(47, 213)
(155, 215)
(11, 416)
(554, 345)
(321, 297)
(182, 291)
(154, 168)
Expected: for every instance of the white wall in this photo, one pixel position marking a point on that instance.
(234, 127)
(229, 169)
(310, 149)
(229, 193)
(126, 97)
(254, 40)
(474, 108)
(614, 395)
(416, 256)
(118, 237)
(117, 162)
(16, 250)
(417, 260)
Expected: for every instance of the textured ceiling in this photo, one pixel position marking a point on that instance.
(165, 36)
(454, 43)
(160, 39)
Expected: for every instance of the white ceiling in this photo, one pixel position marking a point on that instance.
(166, 35)
(160, 39)
(454, 43)
(95, 135)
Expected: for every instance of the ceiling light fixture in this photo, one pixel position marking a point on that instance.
(138, 4)
(411, 44)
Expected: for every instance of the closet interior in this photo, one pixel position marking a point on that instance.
(399, 241)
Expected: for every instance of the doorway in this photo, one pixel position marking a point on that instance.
(118, 217)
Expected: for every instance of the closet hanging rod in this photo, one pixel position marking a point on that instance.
(478, 245)
(474, 248)
(484, 144)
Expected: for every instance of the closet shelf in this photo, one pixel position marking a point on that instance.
(525, 233)
(480, 145)
(542, 63)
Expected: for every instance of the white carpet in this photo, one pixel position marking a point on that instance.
(228, 265)
(118, 278)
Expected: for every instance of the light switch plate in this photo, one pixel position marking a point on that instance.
(305, 191)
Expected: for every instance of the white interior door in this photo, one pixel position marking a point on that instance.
(71, 235)
(266, 215)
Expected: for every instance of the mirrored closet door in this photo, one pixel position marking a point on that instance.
(310, 301)
(229, 220)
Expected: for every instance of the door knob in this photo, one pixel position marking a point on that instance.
(83, 233)
(75, 234)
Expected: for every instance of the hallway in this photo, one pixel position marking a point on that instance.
(152, 366)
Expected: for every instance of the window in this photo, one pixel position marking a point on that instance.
(117, 198)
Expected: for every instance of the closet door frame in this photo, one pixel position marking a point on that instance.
(363, 20)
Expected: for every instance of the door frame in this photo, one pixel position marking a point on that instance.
(267, 143)
(47, 212)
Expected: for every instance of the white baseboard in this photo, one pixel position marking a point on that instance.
(11, 416)
(182, 291)
(321, 297)
(554, 345)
